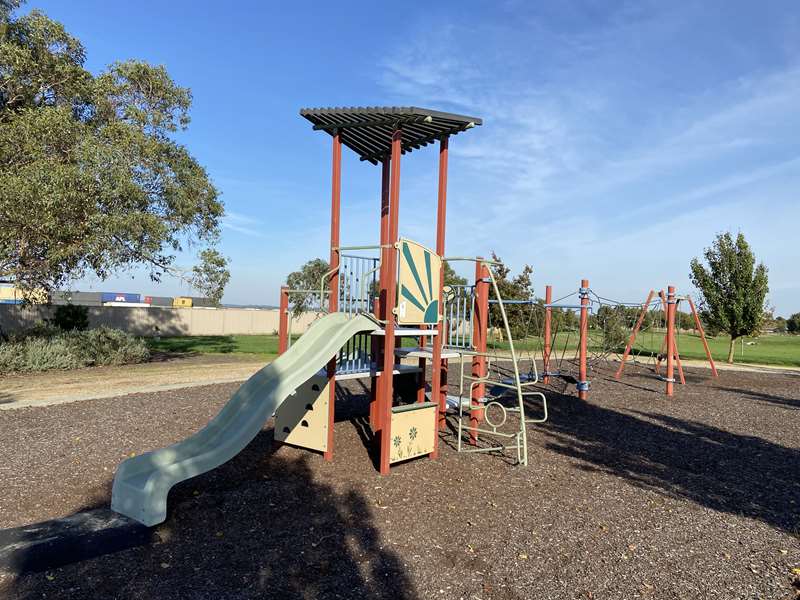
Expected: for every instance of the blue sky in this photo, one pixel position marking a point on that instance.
(611, 130)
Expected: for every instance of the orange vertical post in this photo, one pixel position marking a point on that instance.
(439, 366)
(283, 320)
(333, 297)
(389, 281)
(480, 334)
(699, 326)
(632, 338)
(583, 383)
(548, 318)
(670, 379)
(380, 303)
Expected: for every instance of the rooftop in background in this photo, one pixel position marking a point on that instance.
(367, 131)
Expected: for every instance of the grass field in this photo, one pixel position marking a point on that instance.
(781, 350)
(263, 346)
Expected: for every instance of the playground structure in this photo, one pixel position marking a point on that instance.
(371, 303)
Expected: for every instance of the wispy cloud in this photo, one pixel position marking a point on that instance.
(243, 224)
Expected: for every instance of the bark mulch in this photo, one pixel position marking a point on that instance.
(628, 495)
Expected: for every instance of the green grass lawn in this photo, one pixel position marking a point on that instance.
(769, 349)
(781, 350)
(263, 346)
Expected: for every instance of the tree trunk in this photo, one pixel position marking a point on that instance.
(731, 350)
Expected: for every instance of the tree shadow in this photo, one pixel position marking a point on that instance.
(732, 473)
(783, 402)
(258, 526)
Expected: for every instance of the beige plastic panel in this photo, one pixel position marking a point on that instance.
(418, 292)
(413, 433)
(302, 420)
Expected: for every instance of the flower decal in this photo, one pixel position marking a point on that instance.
(396, 441)
(412, 433)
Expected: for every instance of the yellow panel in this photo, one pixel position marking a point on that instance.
(418, 292)
(413, 433)
(302, 419)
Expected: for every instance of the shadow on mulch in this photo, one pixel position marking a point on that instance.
(258, 526)
(788, 403)
(738, 474)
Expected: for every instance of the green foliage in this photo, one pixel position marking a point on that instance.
(91, 180)
(70, 316)
(733, 287)
(43, 349)
(793, 323)
(451, 277)
(308, 277)
(519, 287)
(211, 275)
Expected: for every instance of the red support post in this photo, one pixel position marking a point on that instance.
(583, 383)
(480, 334)
(699, 326)
(439, 366)
(670, 338)
(548, 319)
(333, 297)
(632, 339)
(283, 321)
(380, 303)
(389, 280)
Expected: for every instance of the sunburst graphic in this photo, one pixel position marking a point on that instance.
(418, 300)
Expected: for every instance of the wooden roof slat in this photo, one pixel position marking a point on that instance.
(368, 130)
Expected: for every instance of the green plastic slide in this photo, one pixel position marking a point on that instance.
(141, 483)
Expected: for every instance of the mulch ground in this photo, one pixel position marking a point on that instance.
(628, 495)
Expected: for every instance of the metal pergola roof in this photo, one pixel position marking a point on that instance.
(367, 131)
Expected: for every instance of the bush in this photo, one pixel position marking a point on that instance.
(43, 349)
(69, 316)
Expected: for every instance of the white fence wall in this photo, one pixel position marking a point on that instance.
(162, 320)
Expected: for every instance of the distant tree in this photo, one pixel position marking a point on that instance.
(306, 281)
(780, 325)
(733, 288)
(211, 275)
(519, 287)
(793, 323)
(451, 277)
(91, 179)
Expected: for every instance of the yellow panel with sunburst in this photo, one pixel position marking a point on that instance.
(418, 291)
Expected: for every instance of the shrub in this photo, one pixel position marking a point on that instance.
(43, 349)
(69, 316)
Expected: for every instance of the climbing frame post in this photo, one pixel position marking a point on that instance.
(670, 379)
(583, 383)
(699, 326)
(389, 281)
(333, 296)
(548, 319)
(439, 366)
(479, 339)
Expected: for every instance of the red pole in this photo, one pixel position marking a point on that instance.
(670, 338)
(699, 326)
(380, 302)
(548, 318)
(389, 271)
(375, 358)
(632, 338)
(479, 337)
(283, 320)
(583, 384)
(439, 366)
(333, 298)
